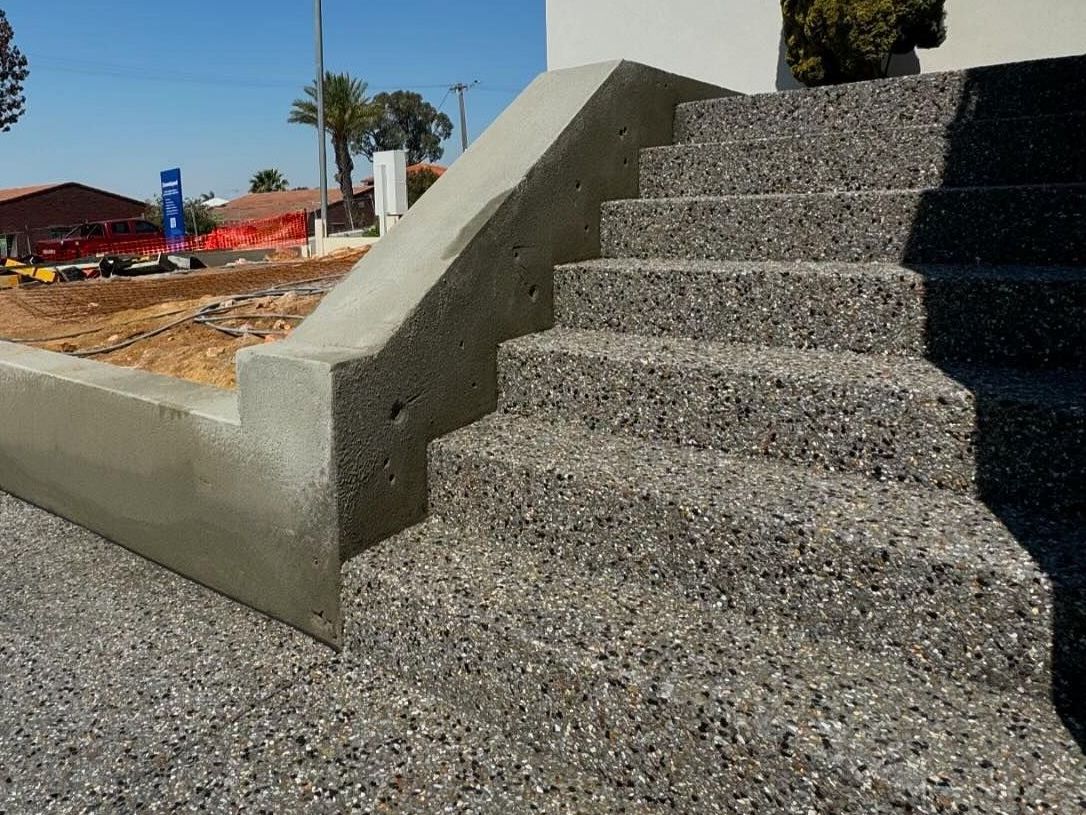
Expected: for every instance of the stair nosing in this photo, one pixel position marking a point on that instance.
(876, 128)
(1012, 559)
(567, 608)
(873, 269)
(935, 381)
(1070, 186)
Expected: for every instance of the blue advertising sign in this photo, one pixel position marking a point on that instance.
(173, 204)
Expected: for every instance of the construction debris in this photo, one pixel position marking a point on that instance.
(188, 326)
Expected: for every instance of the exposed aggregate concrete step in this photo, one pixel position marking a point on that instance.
(992, 225)
(127, 689)
(686, 705)
(1003, 434)
(1024, 316)
(932, 578)
(371, 740)
(1042, 87)
(1039, 150)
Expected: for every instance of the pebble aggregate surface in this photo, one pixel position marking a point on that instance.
(936, 578)
(1041, 88)
(899, 419)
(126, 688)
(998, 225)
(730, 544)
(984, 153)
(1009, 315)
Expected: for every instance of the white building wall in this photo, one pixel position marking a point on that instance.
(737, 43)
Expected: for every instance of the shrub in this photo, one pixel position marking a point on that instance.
(833, 41)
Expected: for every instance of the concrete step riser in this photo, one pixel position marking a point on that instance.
(1028, 225)
(944, 315)
(1046, 150)
(594, 685)
(1046, 87)
(1001, 451)
(816, 570)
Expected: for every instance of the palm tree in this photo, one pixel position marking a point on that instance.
(348, 115)
(270, 180)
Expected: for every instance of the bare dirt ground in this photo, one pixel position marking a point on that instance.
(82, 318)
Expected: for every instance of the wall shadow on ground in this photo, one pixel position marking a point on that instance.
(1030, 464)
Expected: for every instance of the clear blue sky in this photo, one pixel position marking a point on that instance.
(121, 90)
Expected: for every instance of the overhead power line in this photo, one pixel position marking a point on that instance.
(140, 73)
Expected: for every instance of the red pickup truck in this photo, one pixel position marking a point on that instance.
(98, 238)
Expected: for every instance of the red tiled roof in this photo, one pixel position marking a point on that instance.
(22, 192)
(16, 193)
(437, 169)
(260, 205)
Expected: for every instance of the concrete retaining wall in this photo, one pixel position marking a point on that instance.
(239, 502)
(737, 43)
(323, 450)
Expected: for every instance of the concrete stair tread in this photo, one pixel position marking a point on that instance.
(1008, 316)
(931, 524)
(1034, 224)
(1028, 151)
(1041, 87)
(580, 656)
(1015, 437)
(1074, 187)
(1058, 390)
(935, 577)
(861, 271)
(870, 128)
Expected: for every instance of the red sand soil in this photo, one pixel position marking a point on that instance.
(108, 312)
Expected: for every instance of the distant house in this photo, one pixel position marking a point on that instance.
(29, 214)
(260, 205)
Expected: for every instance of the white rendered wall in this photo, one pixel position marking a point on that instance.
(737, 43)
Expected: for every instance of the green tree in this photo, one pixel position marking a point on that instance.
(199, 220)
(13, 73)
(833, 41)
(418, 182)
(349, 115)
(406, 122)
(270, 180)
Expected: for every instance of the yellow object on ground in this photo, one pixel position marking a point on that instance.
(46, 274)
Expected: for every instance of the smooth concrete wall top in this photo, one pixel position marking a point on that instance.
(737, 43)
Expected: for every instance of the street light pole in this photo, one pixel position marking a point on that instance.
(322, 150)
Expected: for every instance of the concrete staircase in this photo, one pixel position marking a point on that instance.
(785, 513)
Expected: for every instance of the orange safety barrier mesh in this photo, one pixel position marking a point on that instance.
(285, 230)
(269, 233)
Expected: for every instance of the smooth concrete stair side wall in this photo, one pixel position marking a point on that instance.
(469, 266)
(323, 449)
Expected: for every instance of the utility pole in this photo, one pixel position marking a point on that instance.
(460, 88)
(322, 150)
